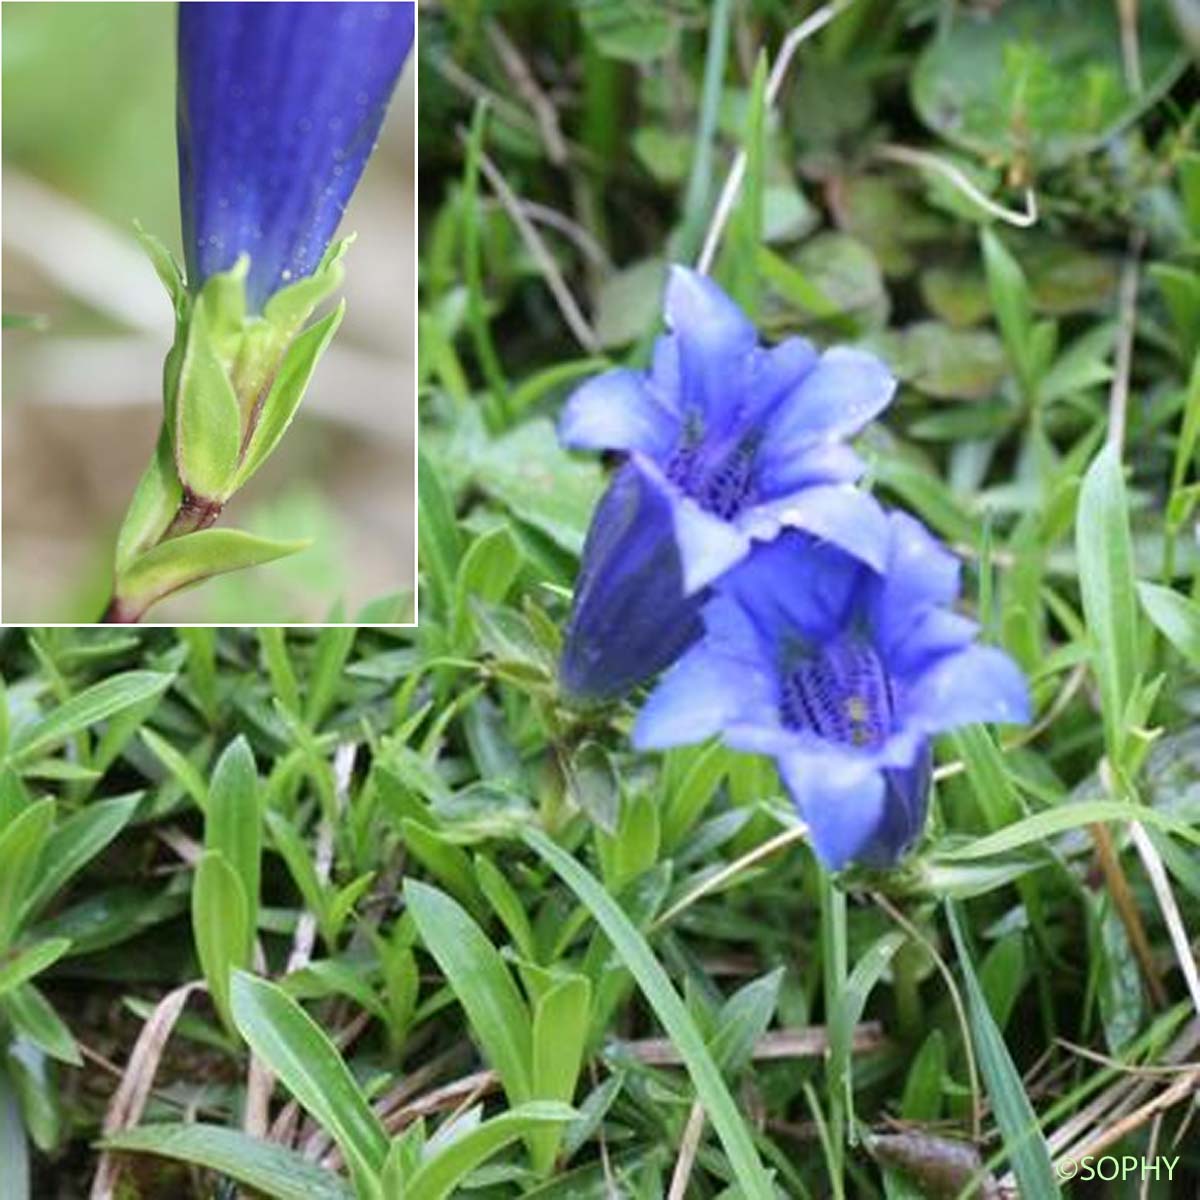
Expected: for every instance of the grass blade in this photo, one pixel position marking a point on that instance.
(722, 1111)
(1023, 1141)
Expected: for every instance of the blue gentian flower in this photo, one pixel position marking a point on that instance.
(842, 673)
(279, 108)
(727, 442)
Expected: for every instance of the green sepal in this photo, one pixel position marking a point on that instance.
(208, 424)
(165, 267)
(286, 392)
(291, 306)
(155, 502)
(191, 558)
(223, 299)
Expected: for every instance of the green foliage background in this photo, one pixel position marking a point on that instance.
(498, 953)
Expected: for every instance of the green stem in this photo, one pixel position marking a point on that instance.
(835, 969)
(699, 186)
(905, 978)
(485, 350)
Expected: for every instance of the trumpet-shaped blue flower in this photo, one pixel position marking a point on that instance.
(727, 443)
(842, 673)
(279, 108)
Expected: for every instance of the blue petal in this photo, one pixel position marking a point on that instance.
(630, 618)
(713, 336)
(778, 476)
(614, 411)
(977, 684)
(938, 632)
(708, 546)
(905, 809)
(839, 514)
(692, 702)
(845, 390)
(795, 585)
(921, 573)
(279, 108)
(843, 800)
(771, 375)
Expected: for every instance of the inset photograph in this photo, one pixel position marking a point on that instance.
(209, 313)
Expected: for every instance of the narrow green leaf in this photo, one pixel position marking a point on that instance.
(295, 853)
(165, 266)
(201, 645)
(153, 506)
(479, 979)
(33, 1016)
(92, 705)
(181, 562)
(266, 1167)
(233, 826)
(31, 961)
(295, 1047)
(1046, 824)
(444, 1170)
(438, 534)
(727, 1120)
(867, 972)
(74, 844)
(1175, 616)
(220, 925)
(925, 1085)
(561, 1020)
(485, 574)
(1023, 1141)
(1010, 300)
(328, 977)
(447, 863)
(21, 844)
(329, 660)
(185, 772)
(506, 904)
(279, 668)
(286, 392)
(1106, 579)
(743, 1019)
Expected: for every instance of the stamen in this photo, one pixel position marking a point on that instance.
(840, 692)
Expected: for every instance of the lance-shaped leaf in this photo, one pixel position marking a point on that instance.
(91, 706)
(286, 392)
(220, 925)
(183, 561)
(233, 826)
(447, 1163)
(295, 1047)
(21, 843)
(31, 961)
(266, 1167)
(74, 844)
